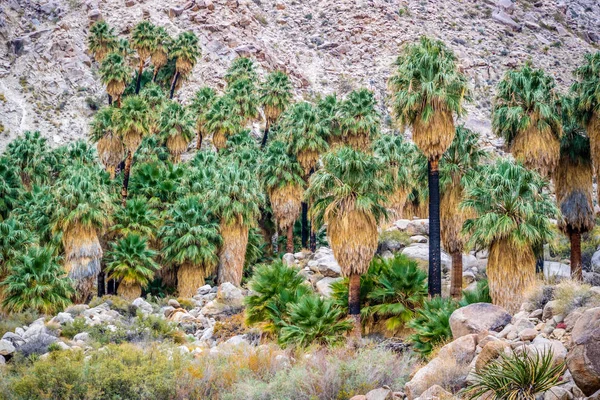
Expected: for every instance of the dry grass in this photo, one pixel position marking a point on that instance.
(189, 279)
(537, 149)
(434, 136)
(570, 295)
(286, 202)
(233, 253)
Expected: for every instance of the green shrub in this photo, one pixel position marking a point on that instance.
(517, 376)
(116, 303)
(391, 291)
(10, 322)
(73, 328)
(481, 294)
(314, 320)
(570, 295)
(432, 324)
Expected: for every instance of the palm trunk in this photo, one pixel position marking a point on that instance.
(456, 281)
(313, 238)
(290, 239)
(127, 170)
(576, 271)
(119, 102)
(232, 254)
(173, 84)
(138, 83)
(275, 243)
(199, 141)
(435, 270)
(265, 136)
(155, 74)
(539, 261)
(354, 303)
(304, 225)
(101, 284)
(110, 100)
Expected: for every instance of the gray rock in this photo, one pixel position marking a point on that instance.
(477, 318)
(595, 263)
(289, 259)
(2, 360)
(229, 300)
(15, 339)
(83, 336)
(528, 334)
(557, 393)
(6, 348)
(556, 270)
(436, 392)
(174, 303)
(203, 290)
(62, 318)
(379, 394)
(237, 340)
(505, 19)
(324, 262)
(324, 286)
(549, 310)
(583, 359)
(142, 305)
(420, 251)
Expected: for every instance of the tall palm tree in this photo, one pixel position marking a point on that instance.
(458, 166)
(136, 218)
(200, 106)
(573, 178)
(587, 92)
(29, 153)
(222, 121)
(176, 128)
(101, 40)
(82, 212)
(359, 120)
(108, 143)
(275, 95)
(185, 51)
(243, 93)
(241, 68)
(115, 73)
(160, 50)
(235, 198)
(283, 179)
(191, 241)
(427, 90)
(155, 97)
(330, 115)
(10, 187)
(131, 123)
(36, 282)
(143, 41)
(525, 115)
(14, 240)
(131, 262)
(512, 210)
(348, 195)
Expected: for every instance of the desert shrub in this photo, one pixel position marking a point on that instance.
(314, 320)
(570, 295)
(540, 295)
(71, 329)
(481, 294)
(10, 322)
(391, 291)
(517, 376)
(116, 303)
(395, 235)
(229, 327)
(432, 324)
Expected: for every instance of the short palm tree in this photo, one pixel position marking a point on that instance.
(176, 128)
(359, 120)
(143, 41)
(14, 239)
(241, 68)
(131, 262)
(101, 40)
(82, 212)
(525, 115)
(458, 167)
(191, 241)
(348, 195)
(131, 124)
(115, 73)
(235, 198)
(29, 154)
(222, 121)
(36, 282)
(283, 179)
(587, 93)
(185, 51)
(136, 218)
(512, 215)
(243, 93)
(330, 115)
(160, 49)
(573, 179)
(427, 91)
(10, 187)
(108, 143)
(275, 96)
(199, 107)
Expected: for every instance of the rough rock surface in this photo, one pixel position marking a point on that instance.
(584, 359)
(477, 318)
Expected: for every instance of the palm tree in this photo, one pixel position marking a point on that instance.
(160, 49)
(512, 210)
(131, 123)
(36, 282)
(427, 89)
(235, 198)
(10, 187)
(176, 128)
(14, 240)
(131, 262)
(587, 92)
(82, 212)
(359, 121)
(143, 41)
(348, 195)
(283, 179)
(458, 166)
(243, 93)
(525, 115)
(186, 51)
(108, 142)
(275, 95)
(330, 115)
(222, 121)
(155, 97)
(191, 240)
(136, 218)
(115, 73)
(29, 154)
(573, 178)
(101, 40)
(241, 68)
(200, 106)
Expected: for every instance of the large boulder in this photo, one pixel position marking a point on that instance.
(420, 252)
(583, 359)
(477, 318)
(449, 368)
(436, 392)
(6, 348)
(491, 351)
(324, 286)
(324, 263)
(553, 269)
(229, 301)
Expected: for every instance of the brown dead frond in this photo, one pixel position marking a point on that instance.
(537, 149)
(82, 252)
(434, 136)
(286, 202)
(452, 219)
(129, 291)
(233, 253)
(189, 279)
(308, 159)
(176, 145)
(110, 150)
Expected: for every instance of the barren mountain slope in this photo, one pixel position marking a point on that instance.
(49, 83)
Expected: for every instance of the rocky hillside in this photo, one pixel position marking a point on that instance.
(49, 83)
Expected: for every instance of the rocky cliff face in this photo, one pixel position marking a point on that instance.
(49, 83)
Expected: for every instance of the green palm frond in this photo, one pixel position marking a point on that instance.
(29, 154)
(275, 95)
(10, 187)
(241, 68)
(131, 261)
(587, 87)
(143, 40)
(462, 159)
(432, 324)
(279, 169)
(14, 240)
(243, 93)
(136, 218)
(101, 40)
(186, 51)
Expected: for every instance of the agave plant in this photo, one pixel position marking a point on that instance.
(176, 128)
